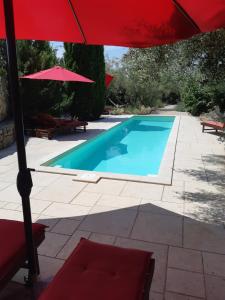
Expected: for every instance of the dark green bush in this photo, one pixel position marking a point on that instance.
(197, 98)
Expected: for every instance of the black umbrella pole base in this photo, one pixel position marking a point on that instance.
(24, 186)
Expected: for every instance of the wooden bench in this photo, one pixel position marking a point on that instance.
(13, 247)
(45, 133)
(102, 272)
(213, 125)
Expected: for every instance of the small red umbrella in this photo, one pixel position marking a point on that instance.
(59, 74)
(108, 79)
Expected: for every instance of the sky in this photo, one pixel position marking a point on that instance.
(111, 52)
(114, 52)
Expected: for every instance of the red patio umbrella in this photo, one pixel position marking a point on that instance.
(130, 23)
(59, 74)
(108, 79)
(208, 14)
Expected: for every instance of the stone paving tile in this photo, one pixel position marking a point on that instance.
(102, 219)
(211, 211)
(11, 214)
(3, 185)
(102, 238)
(205, 237)
(185, 259)
(214, 264)
(161, 207)
(10, 194)
(106, 186)
(143, 190)
(203, 191)
(118, 201)
(189, 174)
(160, 255)
(215, 287)
(158, 228)
(173, 194)
(52, 244)
(86, 198)
(178, 183)
(2, 204)
(49, 267)
(66, 226)
(8, 160)
(48, 221)
(72, 243)
(9, 176)
(37, 206)
(155, 296)
(174, 296)
(61, 190)
(44, 179)
(5, 168)
(63, 210)
(13, 206)
(184, 282)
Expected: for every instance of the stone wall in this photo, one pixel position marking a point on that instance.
(3, 99)
(7, 134)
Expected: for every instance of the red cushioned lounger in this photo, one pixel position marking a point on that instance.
(213, 125)
(13, 247)
(102, 272)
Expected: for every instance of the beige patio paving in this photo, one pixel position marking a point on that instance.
(183, 224)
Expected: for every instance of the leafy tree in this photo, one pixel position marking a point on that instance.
(37, 95)
(191, 71)
(85, 100)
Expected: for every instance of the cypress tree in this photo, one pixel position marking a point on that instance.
(86, 100)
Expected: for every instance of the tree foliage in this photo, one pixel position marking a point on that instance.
(191, 71)
(37, 95)
(85, 100)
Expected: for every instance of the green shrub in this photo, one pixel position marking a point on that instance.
(197, 98)
(181, 106)
(132, 110)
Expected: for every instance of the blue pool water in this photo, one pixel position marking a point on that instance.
(135, 147)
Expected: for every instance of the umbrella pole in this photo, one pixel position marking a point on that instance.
(24, 180)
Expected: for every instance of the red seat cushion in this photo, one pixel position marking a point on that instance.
(13, 246)
(100, 272)
(216, 124)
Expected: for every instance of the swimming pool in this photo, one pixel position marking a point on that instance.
(134, 147)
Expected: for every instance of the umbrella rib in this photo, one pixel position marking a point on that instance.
(77, 21)
(186, 15)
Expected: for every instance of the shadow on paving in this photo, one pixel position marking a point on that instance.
(109, 119)
(220, 135)
(147, 227)
(78, 135)
(208, 200)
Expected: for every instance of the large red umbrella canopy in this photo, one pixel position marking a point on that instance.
(59, 74)
(130, 23)
(108, 79)
(208, 14)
